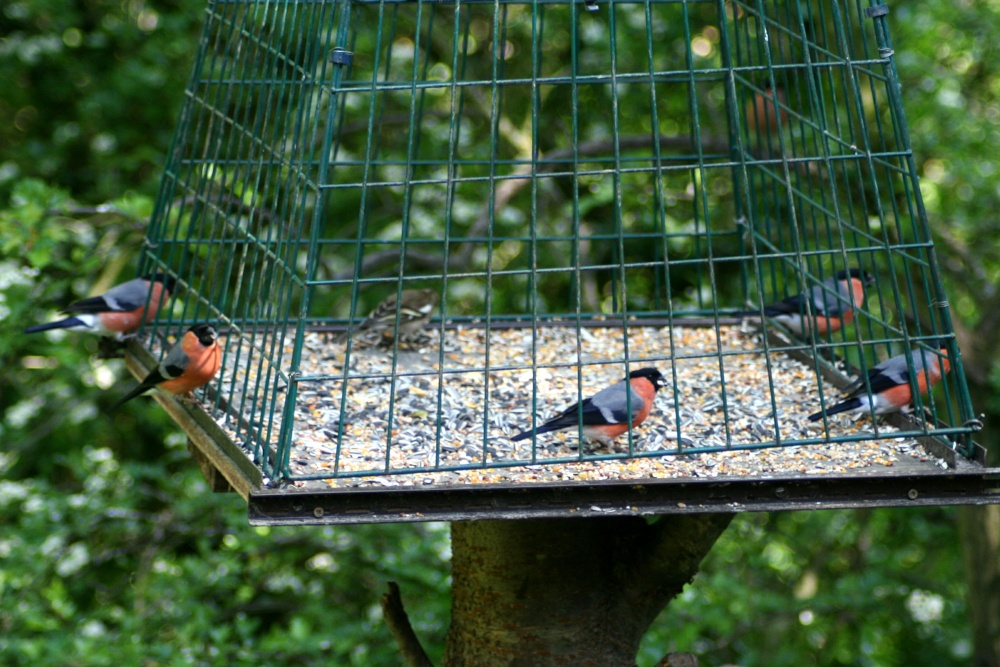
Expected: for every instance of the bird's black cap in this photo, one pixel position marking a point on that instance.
(164, 279)
(651, 374)
(206, 333)
(863, 276)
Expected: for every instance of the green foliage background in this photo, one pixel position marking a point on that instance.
(114, 552)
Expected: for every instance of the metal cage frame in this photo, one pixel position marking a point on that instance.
(326, 157)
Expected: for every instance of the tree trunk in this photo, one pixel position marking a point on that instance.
(979, 529)
(567, 591)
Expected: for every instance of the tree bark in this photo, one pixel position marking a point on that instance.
(980, 531)
(399, 625)
(567, 591)
(979, 527)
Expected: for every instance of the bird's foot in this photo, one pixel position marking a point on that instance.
(186, 399)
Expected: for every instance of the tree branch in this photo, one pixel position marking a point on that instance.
(969, 261)
(509, 187)
(678, 660)
(399, 625)
(373, 262)
(665, 557)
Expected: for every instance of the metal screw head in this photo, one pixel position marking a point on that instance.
(341, 56)
(318, 512)
(912, 494)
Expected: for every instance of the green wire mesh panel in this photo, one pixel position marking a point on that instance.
(587, 191)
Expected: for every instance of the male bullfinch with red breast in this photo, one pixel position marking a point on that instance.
(607, 414)
(891, 389)
(190, 363)
(828, 304)
(762, 113)
(118, 312)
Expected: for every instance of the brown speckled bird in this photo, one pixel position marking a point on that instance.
(415, 309)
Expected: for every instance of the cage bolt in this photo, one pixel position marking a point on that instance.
(341, 56)
(318, 512)
(780, 492)
(912, 494)
(975, 424)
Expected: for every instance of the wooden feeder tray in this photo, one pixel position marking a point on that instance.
(664, 469)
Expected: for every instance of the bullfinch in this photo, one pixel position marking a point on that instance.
(891, 390)
(415, 309)
(605, 415)
(190, 363)
(828, 304)
(118, 312)
(762, 114)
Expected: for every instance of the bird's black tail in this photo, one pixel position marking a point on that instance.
(852, 404)
(744, 313)
(544, 428)
(769, 311)
(61, 324)
(139, 389)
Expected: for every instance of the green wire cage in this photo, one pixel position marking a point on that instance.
(586, 189)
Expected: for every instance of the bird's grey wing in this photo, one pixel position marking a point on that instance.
(122, 298)
(830, 298)
(174, 363)
(612, 403)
